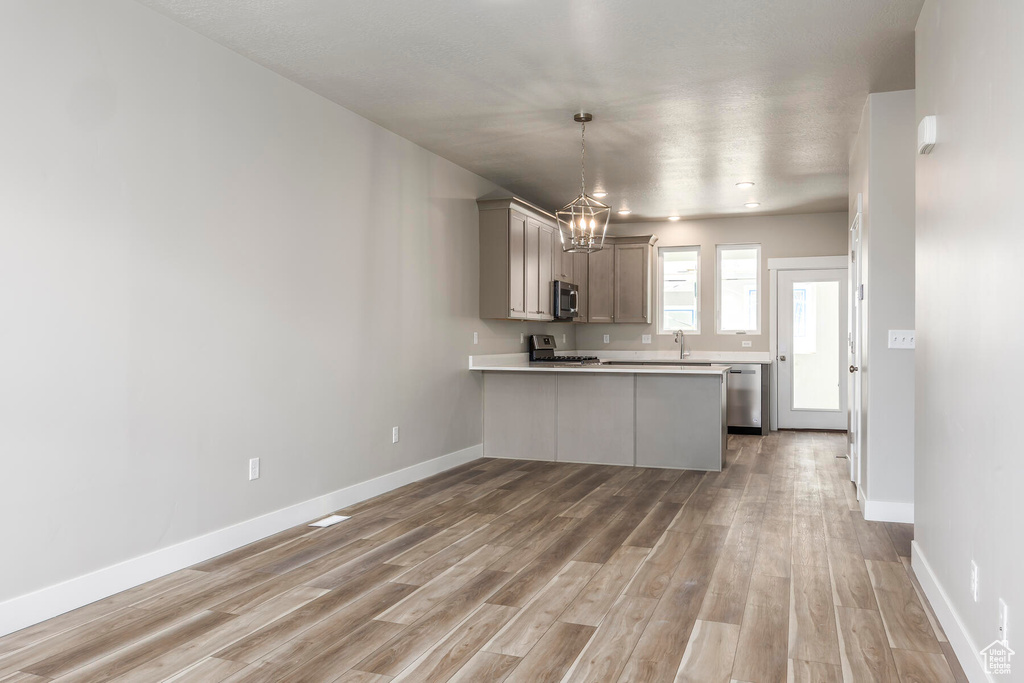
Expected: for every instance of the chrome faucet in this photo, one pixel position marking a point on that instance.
(681, 340)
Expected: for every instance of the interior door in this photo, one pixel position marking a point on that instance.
(854, 348)
(812, 349)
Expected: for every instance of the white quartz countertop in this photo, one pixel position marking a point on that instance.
(516, 362)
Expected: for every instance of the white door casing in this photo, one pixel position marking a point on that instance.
(855, 334)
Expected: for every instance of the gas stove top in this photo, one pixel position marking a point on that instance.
(579, 360)
(542, 350)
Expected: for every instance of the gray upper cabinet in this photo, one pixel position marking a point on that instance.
(521, 256)
(581, 263)
(565, 263)
(601, 286)
(517, 260)
(545, 297)
(619, 281)
(633, 280)
(516, 265)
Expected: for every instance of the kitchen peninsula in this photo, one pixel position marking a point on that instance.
(641, 415)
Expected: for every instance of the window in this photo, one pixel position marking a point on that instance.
(679, 289)
(738, 294)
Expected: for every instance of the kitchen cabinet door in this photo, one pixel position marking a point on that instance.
(580, 269)
(565, 263)
(601, 286)
(632, 286)
(545, 269)
(532, 270)
(516, 265)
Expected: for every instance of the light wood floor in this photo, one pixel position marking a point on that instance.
(529, 571)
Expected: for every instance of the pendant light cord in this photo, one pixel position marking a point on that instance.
(583, 158)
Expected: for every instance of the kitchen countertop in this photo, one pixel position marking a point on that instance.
(716, 357)
(519, 362)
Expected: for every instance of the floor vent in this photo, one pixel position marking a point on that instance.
(330, 521)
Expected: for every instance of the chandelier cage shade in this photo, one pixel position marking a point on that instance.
(583, 222)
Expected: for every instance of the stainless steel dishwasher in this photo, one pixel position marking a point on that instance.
(744, 397)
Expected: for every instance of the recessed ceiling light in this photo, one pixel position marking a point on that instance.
(600, 195)
(744, 185)
(673, 218)
(752, 205)
(624, 212)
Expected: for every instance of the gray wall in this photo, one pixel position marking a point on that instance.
(882, 170)
(812, 234)
(202, 262)
(969, 469)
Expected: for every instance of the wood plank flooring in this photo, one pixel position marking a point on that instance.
(508, 570)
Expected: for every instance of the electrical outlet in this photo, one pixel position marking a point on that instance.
(563, 339)
(522, 337)
(254, 468)
(607, 339)
(974, 580)
(476, 337)
(747, 344)
(394, 435)
(901, 339)
(1004, 620)
(645, 339)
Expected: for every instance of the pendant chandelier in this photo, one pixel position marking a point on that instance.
(582, 223)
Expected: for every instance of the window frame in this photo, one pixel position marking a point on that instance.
(661, 289)
(719, 248)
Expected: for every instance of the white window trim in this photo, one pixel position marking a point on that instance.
(718, 289)
(661, 289)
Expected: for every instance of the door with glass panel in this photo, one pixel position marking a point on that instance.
(812, 349)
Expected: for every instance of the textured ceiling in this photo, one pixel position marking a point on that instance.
(689, 97)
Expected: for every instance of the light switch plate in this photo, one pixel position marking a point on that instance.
(645, 339)
(394, 435)
(747, 344)
(476, 337)
(607, 339)
(254, 468)
(901, 339)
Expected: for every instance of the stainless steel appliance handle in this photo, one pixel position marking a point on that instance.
(574, 300)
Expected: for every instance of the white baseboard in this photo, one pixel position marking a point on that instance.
(965, 648)
(32, 608)
(885, 511)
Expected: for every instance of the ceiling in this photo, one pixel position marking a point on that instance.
(689, 97)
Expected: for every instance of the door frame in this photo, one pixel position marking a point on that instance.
(774, 266)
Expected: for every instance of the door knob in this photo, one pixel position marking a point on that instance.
(854, 368)
(782, 358)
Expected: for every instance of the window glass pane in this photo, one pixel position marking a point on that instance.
(680, 305)
(816, 346)
(738, 295)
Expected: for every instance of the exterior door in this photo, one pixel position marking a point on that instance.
(855, 344)
(812, 349)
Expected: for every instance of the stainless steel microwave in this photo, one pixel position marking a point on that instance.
(567, 300)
